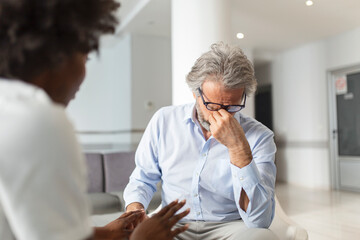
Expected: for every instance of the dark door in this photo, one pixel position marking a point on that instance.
(263, 106)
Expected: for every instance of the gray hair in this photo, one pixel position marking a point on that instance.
(224, 63)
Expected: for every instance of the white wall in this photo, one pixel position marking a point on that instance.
(112, 103)
(343, 50)
(102, 104)
(195, 25)
(151, 82)
(300, 106)
(249, 109)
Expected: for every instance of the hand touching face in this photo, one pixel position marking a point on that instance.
(228, 131)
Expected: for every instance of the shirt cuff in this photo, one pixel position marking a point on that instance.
(137, 198)
(247, 176)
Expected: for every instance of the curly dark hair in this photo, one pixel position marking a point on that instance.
(36, 35)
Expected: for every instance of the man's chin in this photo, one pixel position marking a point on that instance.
(203, 123)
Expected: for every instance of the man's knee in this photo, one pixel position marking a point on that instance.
(254, 234)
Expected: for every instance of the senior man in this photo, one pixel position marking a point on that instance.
(43, 51)
(208, 152)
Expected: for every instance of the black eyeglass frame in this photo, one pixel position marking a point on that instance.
(221, 106)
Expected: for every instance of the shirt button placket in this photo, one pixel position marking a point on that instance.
(196, 199)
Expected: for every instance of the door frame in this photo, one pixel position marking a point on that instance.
(332, 110)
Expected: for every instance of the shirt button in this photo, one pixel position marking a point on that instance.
(195, 195)
(204, 154)
(197, 174)
(241, 178)
(198, 213)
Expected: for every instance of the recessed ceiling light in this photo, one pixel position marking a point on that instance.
(309, 3)
(240, 35)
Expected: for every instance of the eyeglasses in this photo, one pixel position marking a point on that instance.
(217, 106)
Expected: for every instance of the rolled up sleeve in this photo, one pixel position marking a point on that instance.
(257, 179)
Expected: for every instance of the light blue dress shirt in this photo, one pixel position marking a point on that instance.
(173, 150)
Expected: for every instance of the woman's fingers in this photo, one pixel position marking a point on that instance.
(127, 233)
(130, 213)
(166, 209)
(179, 230)
(179, 216)
(133, 218)
(174, 209)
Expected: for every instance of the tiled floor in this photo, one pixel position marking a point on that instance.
(326, 215)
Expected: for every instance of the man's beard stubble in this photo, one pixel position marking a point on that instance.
(200, 116)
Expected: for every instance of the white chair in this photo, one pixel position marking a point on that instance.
(282, 226)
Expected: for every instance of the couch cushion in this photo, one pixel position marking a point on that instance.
(95, 172)
(118, 168)
(102, 203)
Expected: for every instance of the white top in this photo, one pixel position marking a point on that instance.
(42, 170)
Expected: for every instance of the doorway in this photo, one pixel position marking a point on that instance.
(263, 106)
(344, 109)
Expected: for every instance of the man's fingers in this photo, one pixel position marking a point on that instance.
(217, 116)
(223, 112)
(179, 230)
(165, 209)
(211, 119)
(179, 216)
(174, 209)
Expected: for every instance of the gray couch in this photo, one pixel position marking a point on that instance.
(108, 175)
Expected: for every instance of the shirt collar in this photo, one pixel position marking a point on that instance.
(190, 113)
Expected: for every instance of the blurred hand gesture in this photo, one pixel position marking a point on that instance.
(160, 225)
(120, 228)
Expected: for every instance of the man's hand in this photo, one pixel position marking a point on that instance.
(120, 228)
(135, 206)
(227, 130)
(160, 225)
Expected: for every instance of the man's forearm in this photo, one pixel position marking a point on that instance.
(248, 185)
(241, 158)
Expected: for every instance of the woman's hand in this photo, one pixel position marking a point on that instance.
(120, 228)
(160, 225)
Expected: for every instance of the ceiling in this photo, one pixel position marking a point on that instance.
(269, 26)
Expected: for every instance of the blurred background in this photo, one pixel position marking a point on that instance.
(306, 56)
